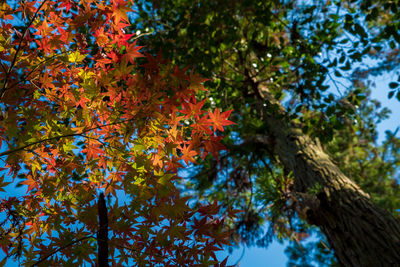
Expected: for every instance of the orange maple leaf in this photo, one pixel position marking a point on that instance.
(157, 160)
(219, 119)
(120, 9)
(187, 154)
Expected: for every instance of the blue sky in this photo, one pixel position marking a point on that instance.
(274, 256)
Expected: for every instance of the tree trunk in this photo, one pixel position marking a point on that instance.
(360, 233)
(102, 234)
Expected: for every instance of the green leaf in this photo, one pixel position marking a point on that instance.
(393, 85)
(360, 30)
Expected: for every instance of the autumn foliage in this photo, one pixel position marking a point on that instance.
(80, 117)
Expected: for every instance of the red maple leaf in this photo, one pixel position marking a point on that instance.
(174, 164)
(132, 52)
(4, 247)
(214, 146)
(196, 82)
(153, 63)
(193, 108)
(30, 183)
(67, 4)
(202, 125)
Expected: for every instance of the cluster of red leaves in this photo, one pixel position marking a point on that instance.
(78, 116)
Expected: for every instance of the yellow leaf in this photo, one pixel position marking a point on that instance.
(76, 57)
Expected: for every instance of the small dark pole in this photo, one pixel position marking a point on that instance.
(102, 234)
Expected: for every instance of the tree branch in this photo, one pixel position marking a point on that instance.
(61, 248)
(8, 152)
(4, 89)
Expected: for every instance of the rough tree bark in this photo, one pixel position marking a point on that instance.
(102, 234)
(361, 233)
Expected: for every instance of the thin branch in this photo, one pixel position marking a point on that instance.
(233, 67)
(60, 136)
(61, 248)
(25, 78)
(2, 91)
(141, 35)
(136, 250)
(35, 143)
(334, 83)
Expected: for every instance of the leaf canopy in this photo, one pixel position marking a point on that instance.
(80, 117)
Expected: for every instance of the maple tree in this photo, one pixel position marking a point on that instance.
(89, 133)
